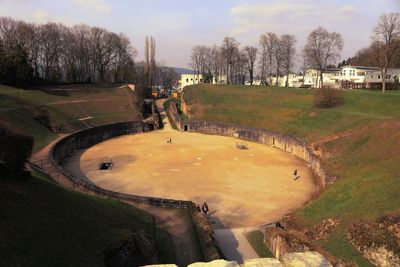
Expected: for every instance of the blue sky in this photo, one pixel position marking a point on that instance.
(178, 25)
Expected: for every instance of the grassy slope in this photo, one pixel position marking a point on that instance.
(43, 224)
(256, 240)
(365, 161)
(105, 105)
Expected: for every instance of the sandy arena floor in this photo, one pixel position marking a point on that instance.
(242, 187)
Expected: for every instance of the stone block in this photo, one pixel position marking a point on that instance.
(305, 259)
(263, 262)
(216, 263)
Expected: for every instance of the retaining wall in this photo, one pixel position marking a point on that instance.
(286, 143)
(86, 138)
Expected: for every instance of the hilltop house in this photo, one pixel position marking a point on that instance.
(192, 79)
(294, 80)
(354, 76)
(330, 78)
(374, 78)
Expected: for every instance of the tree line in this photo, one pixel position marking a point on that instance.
(277, 55)
(56, 53)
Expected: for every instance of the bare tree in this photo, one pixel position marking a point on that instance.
(288, 54)
(239, 67)
(229, 49)
(278, 53)
(322, 49)
(196, 60)
(150, 62)
(218, 63)
(269, 44)
(386, 38)
(303, 62)
(81, 53)
(250, 54)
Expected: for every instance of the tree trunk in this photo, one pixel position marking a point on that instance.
(251, 77)
(322, 79)
(287, 80)
(384, 71)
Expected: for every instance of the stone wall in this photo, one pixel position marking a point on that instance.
(86, 138)
(176, 117)
(286, 143)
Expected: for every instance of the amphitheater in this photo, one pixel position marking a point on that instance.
(249, 177)
(244, 183)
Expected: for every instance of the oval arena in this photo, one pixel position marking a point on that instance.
(244, 183)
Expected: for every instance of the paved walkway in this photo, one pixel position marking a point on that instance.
(234, 244)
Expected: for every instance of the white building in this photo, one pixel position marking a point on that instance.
(330, 78)
(294, 80)
(356, 74)
(192, 79)
(392, 76)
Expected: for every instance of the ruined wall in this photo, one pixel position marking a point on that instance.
(176, 117)
(86, 138)
(281, 242)
(185, 108)
(286, 143)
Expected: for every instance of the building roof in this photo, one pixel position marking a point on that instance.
(361, 67)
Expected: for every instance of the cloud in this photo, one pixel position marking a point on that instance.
(41, 16)
(289, 15)
(96, 5)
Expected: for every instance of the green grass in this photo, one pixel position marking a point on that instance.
(43, 224)
(366, 161)
(256, 240)
(336, 245)
(65, 107)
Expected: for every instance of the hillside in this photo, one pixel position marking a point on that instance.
(360, 143)
(44, 224)
(45, 113)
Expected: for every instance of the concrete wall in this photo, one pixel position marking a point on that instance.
(89, 137)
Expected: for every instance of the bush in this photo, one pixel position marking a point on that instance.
(15, 150)
(328, 98)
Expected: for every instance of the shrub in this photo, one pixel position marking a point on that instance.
(328, 98)
(15, 150)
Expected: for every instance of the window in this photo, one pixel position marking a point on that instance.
(379, 76)
(187, 80)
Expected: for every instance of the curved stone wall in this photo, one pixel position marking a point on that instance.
(86, 138)
(286, 143)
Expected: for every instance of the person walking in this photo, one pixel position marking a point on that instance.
(204, 208)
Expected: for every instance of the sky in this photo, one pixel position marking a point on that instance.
(178, 25)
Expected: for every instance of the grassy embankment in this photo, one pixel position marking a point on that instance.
(43, 224)
(64, 108)
(256, 240)
(362, 139)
